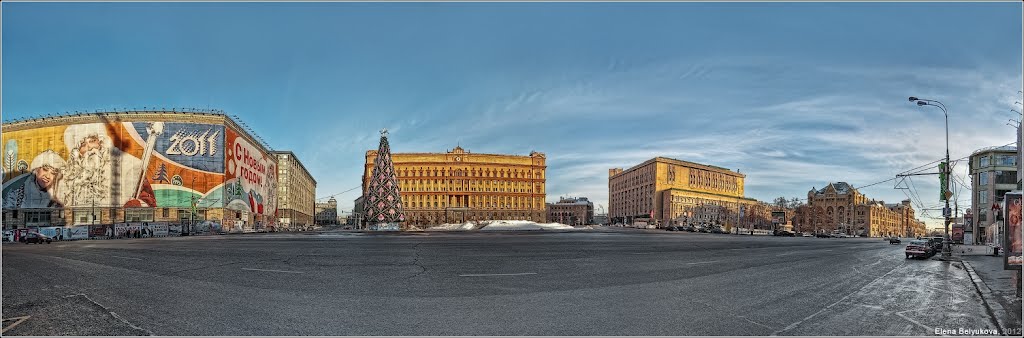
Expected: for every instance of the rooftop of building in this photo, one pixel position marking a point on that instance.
(840, 188)
(696, 165)
(1009, 149)
(296, 160)
(573, 201)
(459, 150)
(146, 114)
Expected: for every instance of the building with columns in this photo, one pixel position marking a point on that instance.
(839, 207)
(459, 186)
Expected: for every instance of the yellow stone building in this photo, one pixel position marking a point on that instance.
(459, 186)
(838, 207)
(680, 192)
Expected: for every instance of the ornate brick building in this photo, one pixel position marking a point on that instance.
(571, 211)
(669, 191)
(838, 207)
(458, 186)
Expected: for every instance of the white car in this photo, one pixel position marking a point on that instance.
(8, 236)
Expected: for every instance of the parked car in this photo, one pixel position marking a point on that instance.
(717, 230)
(787, 234)
(807, 234)
(37, 238)
(934, 242)
(691, 228)
(894, 240)
(919, 248)
(8, 236)
(822, 236)
(672, 228)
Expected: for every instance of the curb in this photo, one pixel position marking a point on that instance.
(986, 295)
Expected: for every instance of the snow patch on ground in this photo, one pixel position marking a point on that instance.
(524, 225)
(453, 227)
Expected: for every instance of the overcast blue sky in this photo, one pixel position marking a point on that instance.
(793, 95)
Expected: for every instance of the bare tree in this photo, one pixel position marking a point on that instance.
(779, 202)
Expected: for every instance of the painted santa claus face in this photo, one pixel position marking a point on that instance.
(46, 176)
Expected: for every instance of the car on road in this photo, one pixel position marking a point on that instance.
(690, 228)
(894, 240)
(808, 234)
(785, 233)
(8, 236)
(822, 236)
(672, 228)
(37, 238)
(934, 242)
(717, 230)
(919, 248)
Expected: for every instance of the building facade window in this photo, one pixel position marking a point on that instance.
(983, 161)
(1006, 177)
(983, 178)
(138, 214)
(1008, 160)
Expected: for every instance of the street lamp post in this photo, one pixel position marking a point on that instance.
(924, 102)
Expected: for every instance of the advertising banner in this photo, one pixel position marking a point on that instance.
(159, 229)
(958, 234)
(250, 177)
(779, 217)
(77, 232)
(53, 232)
(1012, 244)
(114, 164)
(174, 230)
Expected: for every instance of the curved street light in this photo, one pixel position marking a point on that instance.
(935, 103)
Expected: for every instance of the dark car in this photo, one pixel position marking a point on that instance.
(919, 248)
(822, 236)
(894, 240)
(672, 228)
(690, 228)
(787, 234)
(37, 238)
(934, 242)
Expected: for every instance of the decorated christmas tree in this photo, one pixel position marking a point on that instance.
(383, 201)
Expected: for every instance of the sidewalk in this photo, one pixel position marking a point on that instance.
(997, 288)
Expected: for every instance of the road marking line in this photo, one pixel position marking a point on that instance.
(900, 314)
(701, 262)
(17, 320)
(498, 274)
(249, 269)
(794, 325)
(138, 259)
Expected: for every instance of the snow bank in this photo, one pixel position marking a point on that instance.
(524, 225)
(453, 227)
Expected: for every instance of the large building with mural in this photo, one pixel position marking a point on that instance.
(839, 207)
(460, 186)
(664, 191)
(199, 171)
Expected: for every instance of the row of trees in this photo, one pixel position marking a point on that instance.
(783, 203)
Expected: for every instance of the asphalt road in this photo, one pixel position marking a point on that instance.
(599, 282)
